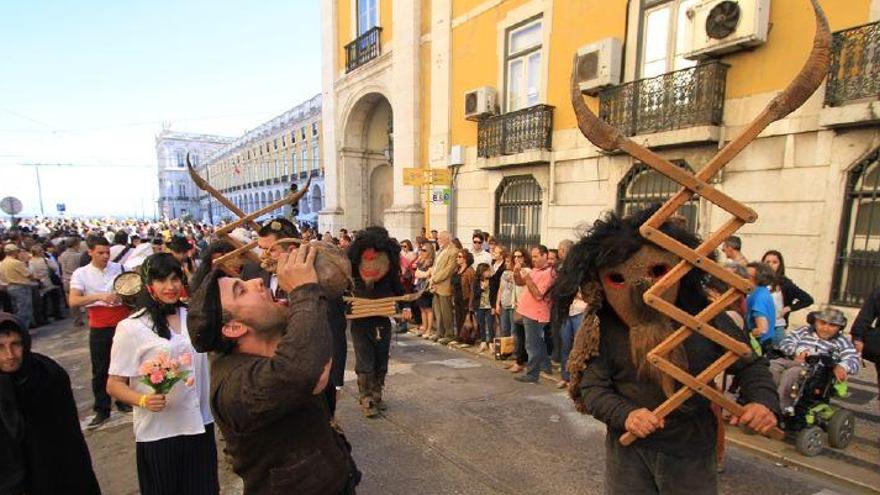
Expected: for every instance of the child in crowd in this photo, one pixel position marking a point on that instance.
(822, 336)
(483, 308)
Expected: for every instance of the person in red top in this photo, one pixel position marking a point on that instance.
(535, 310)
(91, 286)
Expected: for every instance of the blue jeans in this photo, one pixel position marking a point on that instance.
(22, 303)
(506, 322)
(567, 332)
(535, 347)
(486, 323)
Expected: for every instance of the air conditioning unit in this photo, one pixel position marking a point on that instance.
(716, 27)
(480, 102)
(598, 65)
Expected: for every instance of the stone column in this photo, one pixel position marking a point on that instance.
(331, 216)
(440, 126)
(404, 218)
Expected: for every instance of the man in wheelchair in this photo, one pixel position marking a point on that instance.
(819, 345)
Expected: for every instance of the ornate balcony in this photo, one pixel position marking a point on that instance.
(314, 172)
(363, 49)
(514, 132)
(675, 100)
(855, 65)
(303, 174)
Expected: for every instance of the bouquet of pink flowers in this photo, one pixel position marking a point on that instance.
(162, 372)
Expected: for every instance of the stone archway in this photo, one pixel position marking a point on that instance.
(367, 146)
(316, 198)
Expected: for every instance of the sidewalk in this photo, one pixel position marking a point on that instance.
(857, 467)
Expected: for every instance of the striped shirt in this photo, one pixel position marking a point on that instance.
(805, 339)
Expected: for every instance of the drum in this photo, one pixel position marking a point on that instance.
(127, 286)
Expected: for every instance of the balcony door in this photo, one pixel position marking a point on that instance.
(664, 26)
(367, 15)
(523, 64)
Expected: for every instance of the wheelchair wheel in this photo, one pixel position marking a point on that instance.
(841, 429)
(810, 441)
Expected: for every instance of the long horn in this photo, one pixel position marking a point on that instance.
(289, 199)
(204, 186)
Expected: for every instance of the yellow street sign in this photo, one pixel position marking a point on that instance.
(420, 176)
(441, 176)
(413, 176)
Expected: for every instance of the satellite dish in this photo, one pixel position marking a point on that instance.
(10, 205)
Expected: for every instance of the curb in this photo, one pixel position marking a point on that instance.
(807, 467)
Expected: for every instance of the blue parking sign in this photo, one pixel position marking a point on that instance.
(60, 207)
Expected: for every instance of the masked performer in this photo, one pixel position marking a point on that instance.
(271, 365)
(375, 266)
(612, 266)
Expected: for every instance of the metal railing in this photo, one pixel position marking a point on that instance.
(303, 174)
(518, 212)
(363, 49)
(514, 132)
(855, 65)
(314, 172)
(675, 100)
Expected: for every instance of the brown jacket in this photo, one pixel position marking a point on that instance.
(444, 266)
(277, 432)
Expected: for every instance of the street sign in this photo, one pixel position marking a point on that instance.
(413, 176)
(441, 176)
(418, 176)
(10, 205)
(61, 207)
(441, 195)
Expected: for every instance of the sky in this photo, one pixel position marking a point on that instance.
(91, 83)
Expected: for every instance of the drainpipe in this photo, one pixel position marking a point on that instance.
(452, 215)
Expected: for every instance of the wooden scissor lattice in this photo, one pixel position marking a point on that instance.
(610, 139)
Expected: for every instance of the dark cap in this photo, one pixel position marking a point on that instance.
(179, 244)
(204, 320)
(279, 226)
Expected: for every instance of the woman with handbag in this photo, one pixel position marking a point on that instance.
(423, 278)
(462, 283)
(866, 331)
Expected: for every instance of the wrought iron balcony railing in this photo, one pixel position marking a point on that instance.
(514, 132)
(303, 174)
(675, 100)
(314, 172)
(855, 65)
(363, 49)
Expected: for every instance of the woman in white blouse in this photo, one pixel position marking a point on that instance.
(175, 450)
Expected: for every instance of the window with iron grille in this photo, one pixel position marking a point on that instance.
(857, 268)
(643, 187)
(518, 212)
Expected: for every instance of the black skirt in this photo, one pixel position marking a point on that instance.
(425, 300)
(177, 465)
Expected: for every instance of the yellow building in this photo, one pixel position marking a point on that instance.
(259, 167)
(482, 87)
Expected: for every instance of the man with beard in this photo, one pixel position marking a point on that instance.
(272, 361)
(270, 233)
(612, 266)
(42, 449)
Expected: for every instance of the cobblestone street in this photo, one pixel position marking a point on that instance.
(457, 424)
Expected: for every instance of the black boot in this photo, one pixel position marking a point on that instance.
(378, 386)
(366, 385)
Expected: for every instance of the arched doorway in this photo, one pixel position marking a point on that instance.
(381, 193)
(366, 174)
(316, 199)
